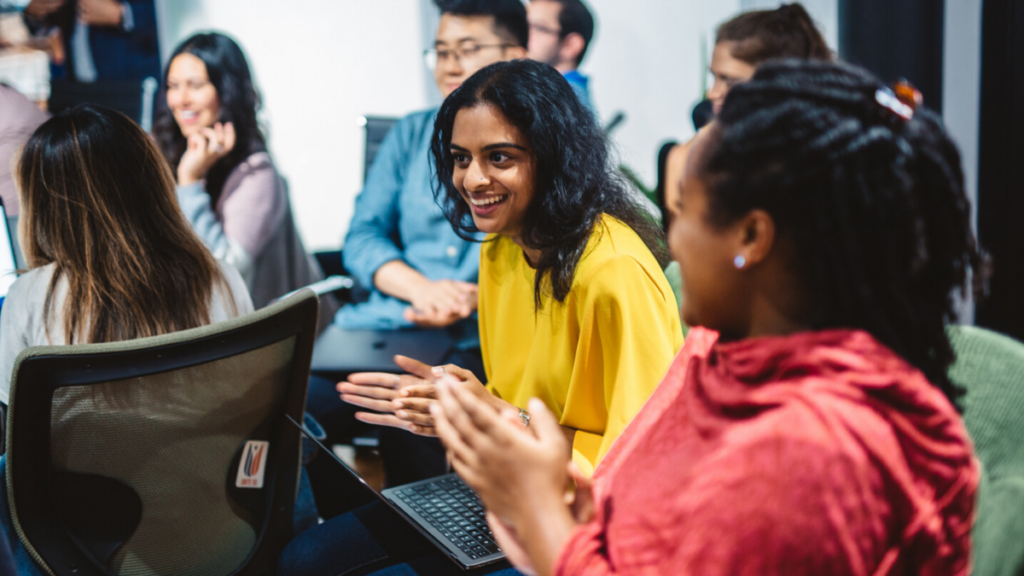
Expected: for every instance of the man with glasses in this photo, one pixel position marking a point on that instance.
(401, 247)
(560, 32)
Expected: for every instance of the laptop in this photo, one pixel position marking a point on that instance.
(348, 351)
(443, 509)
(8, 261)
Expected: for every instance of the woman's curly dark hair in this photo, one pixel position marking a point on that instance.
(228, 71)
(873, 204)
(575, 182)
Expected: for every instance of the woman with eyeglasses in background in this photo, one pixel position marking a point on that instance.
(741, 45)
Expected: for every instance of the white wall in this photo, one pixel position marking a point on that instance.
(646, 61)
(321, 64)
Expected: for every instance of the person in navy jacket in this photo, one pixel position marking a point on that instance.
(103, 39)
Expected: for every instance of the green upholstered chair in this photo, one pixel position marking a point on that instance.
(163, 455)
(675, 279)
(990, 368)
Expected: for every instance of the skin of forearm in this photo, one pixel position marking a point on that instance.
(398, 279)
(544, 527)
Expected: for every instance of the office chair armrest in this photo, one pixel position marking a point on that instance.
(328, 285)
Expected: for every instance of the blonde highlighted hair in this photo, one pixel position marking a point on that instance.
(98, 202)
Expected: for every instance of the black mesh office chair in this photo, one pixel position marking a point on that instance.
(164, 455)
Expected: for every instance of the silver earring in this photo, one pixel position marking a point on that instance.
(739, 262)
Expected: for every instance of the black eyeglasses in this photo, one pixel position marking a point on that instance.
(466, 52)
(545, 30)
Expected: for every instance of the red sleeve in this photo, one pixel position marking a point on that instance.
(775, 506)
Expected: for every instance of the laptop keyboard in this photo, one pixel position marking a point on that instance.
(454, 510)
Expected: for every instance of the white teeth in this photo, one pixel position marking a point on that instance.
(487, 201)
(188, 114)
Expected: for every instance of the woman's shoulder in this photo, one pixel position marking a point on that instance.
(238, 293)
(497, 247)
(31, 284)
(258, 167)
(255, 163)
(255, 179)
(614, 245)
(23, 305)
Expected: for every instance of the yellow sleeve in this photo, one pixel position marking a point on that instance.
(629, 334)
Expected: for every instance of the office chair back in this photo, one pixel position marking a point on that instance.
(163, 455)
(990, 368)
(377, 127)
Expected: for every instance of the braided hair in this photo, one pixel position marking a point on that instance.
(873, 204)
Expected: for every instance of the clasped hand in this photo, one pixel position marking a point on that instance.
(441, 303)
(403, 401)
(204, 149)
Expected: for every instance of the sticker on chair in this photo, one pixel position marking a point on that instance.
(252, 465)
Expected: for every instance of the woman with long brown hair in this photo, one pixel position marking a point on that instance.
(111, 257)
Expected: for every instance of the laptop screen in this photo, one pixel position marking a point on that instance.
(8, 266)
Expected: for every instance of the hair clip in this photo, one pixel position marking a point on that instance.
(902, 99)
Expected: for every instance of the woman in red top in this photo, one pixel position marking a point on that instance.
(807, 428)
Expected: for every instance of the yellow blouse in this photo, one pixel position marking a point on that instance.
(596, 357)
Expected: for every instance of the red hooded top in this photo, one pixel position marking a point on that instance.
(815, 453)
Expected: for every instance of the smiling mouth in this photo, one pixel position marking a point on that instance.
(487, 201)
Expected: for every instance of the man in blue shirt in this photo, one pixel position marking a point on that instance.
(560, 33)
(399, 244)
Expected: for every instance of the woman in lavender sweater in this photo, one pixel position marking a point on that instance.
(228, 186)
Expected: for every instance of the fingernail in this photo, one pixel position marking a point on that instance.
(405, 392)
(435, 409)
(437, 371)
(399, 404)
(401, 414)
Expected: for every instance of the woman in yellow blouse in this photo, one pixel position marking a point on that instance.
(574, 307)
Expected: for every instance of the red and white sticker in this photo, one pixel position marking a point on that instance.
(252, 465)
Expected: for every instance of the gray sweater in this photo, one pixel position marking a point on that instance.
(252, 228)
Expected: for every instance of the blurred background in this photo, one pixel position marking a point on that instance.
(322, 65)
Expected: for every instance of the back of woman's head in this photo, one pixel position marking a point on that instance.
(228, 71)
(574, 182)
(872, 204)
(98, 202)
(785, 32)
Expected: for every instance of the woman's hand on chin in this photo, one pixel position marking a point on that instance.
(204, 149)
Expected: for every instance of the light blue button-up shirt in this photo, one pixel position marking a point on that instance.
(579, 84)
(396, 218)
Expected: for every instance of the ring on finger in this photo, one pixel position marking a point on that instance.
(216, 148)
(397, 379)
